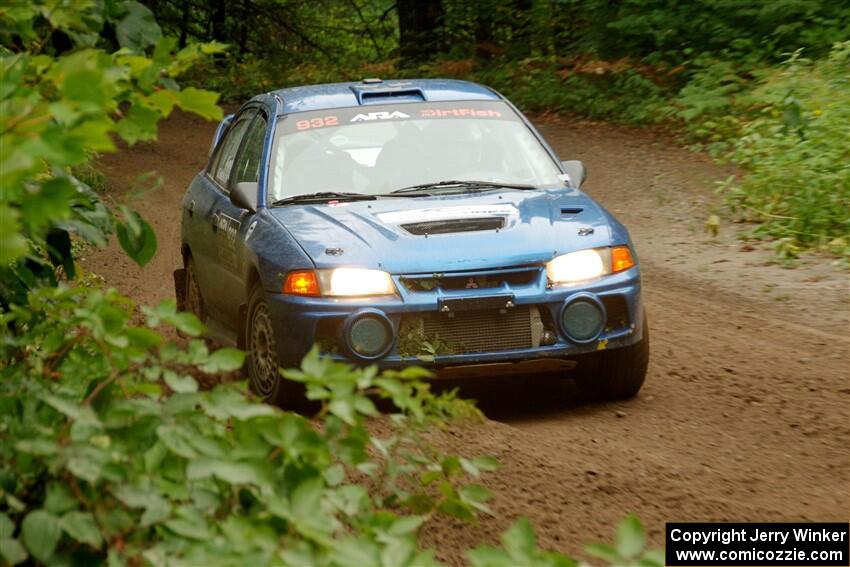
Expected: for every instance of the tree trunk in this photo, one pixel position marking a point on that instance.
(419, 24)
(218, 20)
(184, 24)
(485, 48)
(521, 43)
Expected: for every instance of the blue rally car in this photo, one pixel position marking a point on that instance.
(407, 222)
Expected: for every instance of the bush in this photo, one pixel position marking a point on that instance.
(788, 130)
(110, 449)
(112, 452)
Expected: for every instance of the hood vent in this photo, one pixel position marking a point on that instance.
(570, 212)
(450, 226)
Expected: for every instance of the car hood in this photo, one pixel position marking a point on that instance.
(399, 234)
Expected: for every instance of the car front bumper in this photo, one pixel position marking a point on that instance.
(303, 321)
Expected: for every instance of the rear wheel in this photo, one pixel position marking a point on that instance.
(263, 361)
(616, 374)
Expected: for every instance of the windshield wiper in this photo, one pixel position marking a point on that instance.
(460, 184)
(323, 196)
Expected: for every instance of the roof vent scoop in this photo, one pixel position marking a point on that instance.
(376, 91)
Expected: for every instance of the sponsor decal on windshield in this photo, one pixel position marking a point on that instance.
(459, 113)
(381, 115)
(397, 113)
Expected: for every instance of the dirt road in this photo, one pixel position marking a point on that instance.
(745, 415)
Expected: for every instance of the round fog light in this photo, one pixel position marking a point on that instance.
(583, 320)
(369, 336)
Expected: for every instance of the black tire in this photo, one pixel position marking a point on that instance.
(263, 364)
(193, 300)
(616, 374)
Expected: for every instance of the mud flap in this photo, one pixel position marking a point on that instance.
(241, 338)
(180, 288)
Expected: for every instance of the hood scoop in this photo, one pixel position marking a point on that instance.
(451, 220)
(451, 226)
(570, 212)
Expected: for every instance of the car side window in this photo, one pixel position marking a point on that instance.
(226, 155)
(248, 162)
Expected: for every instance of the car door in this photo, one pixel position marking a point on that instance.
(202, 213)
(233, 222)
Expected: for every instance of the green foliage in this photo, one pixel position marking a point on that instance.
(629, 547)
(788, 129)
(113, 452)
(661, 30)
(63, 101)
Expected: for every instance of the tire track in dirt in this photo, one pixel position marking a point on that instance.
(745, 412)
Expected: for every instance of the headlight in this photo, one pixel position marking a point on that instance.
(588, 264)
(339, 282)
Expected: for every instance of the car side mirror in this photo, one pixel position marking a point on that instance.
(575, 169)
(244, 195)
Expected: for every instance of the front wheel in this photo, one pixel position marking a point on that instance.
(616, 374)
(263, 363)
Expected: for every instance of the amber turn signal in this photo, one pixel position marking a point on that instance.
(621, 259)
(302, 282)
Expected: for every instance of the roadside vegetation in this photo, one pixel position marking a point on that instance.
(761, 85)
(111, 451)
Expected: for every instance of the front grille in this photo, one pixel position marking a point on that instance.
(454, 225)
(481, 331)
(482, 280)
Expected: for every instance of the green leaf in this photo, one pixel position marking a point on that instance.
(136, 237)
(356, 552)
(233, 472)
(188, 323)
(139, 125)
(12, 551)
(7, 527)
(82, 527)
(50, 203)
(12, 243)
(603, 551)
(630, 538)
(143, 338)
(487, 556)
(486, 463)
(156, 507)
(306, 498)
(138, 29)
(72, 409)
(224, 360)
(406, 525)
(59, 499)
(343, 409)
(201, 102)
(40, 532)
(175, 438)
(520, 541)
(334, 475)
(180, 383)
(189, 528)
(653, 558)
(476, 496)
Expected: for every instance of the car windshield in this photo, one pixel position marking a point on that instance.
(375, 150)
